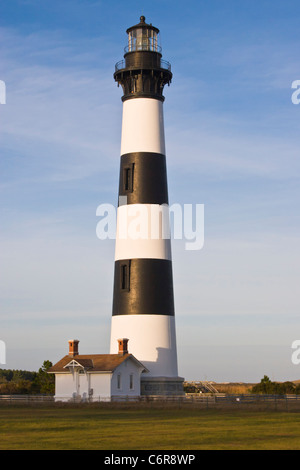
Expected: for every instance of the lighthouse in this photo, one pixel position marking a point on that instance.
(143, 298)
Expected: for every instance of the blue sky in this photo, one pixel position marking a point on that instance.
(232, 139)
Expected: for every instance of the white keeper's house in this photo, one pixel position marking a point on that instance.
(97, 377)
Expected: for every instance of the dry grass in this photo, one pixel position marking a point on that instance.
(234, 388)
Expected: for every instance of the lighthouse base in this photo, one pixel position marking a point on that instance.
(162, 386)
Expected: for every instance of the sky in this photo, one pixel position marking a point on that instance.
(232, 144)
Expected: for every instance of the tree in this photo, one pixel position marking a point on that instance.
(266, 386)
(45, 382)
(26, 382)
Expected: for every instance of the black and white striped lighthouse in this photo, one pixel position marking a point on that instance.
(143, 300)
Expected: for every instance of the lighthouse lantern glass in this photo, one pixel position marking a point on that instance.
(142, 39)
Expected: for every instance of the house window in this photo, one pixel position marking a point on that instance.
(131, 381)
(128, 178)
(119, 383)
(125, 275)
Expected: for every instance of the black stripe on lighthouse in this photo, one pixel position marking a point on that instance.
(143, 178)
(143, 286)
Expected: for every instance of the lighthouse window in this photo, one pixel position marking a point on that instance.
(142, 39)
(128, 178)
(125, 276)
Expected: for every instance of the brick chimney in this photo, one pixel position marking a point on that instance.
(73, 347)
(123, 346)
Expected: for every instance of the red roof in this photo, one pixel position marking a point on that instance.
(94, 362)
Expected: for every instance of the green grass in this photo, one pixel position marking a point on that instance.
(145, 427)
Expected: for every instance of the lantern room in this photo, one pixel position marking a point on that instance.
(143, 72)
(143, 37)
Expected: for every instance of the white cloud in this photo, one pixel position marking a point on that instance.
(64, 112)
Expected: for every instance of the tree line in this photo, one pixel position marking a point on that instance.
(267, 387)
(15, 382)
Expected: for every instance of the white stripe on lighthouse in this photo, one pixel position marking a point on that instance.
(143, 126)
(143, 232)
(152, 340)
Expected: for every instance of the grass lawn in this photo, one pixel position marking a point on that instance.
(136, 427)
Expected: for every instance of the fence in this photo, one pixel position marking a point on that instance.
(201, 400)
(26, 398)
